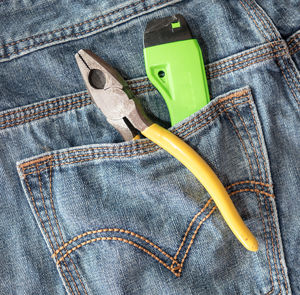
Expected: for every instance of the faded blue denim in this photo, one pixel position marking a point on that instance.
(82, 212)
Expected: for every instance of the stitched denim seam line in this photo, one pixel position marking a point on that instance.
(260, 146)
(251, 142)
(249, 64)
(117, 156)
(293, 72)
(51, 228)
(248, 52)
(256, 56)
(65, 37)
(45, 231)
(259, 169)
(278, 252)
(286, 79)
(291, 48)
(253, 177)
(45, 109)
(294, 38)
(253, 20)
(49, 110)
(58, 227)
(104, 230)
(173, 270)
(72, 26)
(46, 115)
(196, 120)
(295, 51)
(269, 29)
(277, 243)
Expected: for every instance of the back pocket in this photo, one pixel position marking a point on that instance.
(128, 218)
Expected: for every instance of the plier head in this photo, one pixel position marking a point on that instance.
(111, 94)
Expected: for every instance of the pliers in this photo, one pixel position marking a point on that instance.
(112, 95)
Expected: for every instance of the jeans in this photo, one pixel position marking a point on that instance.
(82, 212)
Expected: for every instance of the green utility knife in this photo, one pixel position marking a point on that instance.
(175, 66)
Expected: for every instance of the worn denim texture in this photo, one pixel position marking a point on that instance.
(82, 212)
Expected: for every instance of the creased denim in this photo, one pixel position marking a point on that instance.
(82, 212)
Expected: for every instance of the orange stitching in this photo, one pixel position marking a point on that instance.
(295, 51)
(250, 139)
(44, 103)
(111, 230)
(150, 144)
(122, 156)
(231, 98)
(254, 21)
(50, 225)
(72, 26)
(35, 208)
(248, 64)
(260, 175)
(246, 60)
(292, 76)
(85, 32)
(248, 181)
(85, 292)
(137, 81)
(273, 249)
(46, 110)
(260, 145)
(44, 159)
(243, 54)
(268, 29)
(57, 224)
(142, 86)
(293, 38)
(43, 226)
(291, 48)
(282, 71)
(278, 250)
(241, 140)
(213, 118)
(189, 228)
(265, 234)
(62, 272)
(46, 115)
(251, 190)
(194, 235)
(116, 239)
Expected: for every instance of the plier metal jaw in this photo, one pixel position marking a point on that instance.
(112, 95)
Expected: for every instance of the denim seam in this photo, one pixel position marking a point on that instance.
(256, 56)
(58, 227)
(104, 230)
(150, 88)
(270, 28)
(72, 26)
(51, 228)
(286, 79)
(249, 64)
(134, 146)
(45, 231)
(274, 225)
(253, 177)
(84, 32)
(253, 20)
(116, 156)
(171, 268)
(175, 270)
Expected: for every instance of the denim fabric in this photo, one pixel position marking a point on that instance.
(82, 212)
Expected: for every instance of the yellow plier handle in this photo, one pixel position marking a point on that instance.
(112, 95)
(191, 160)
